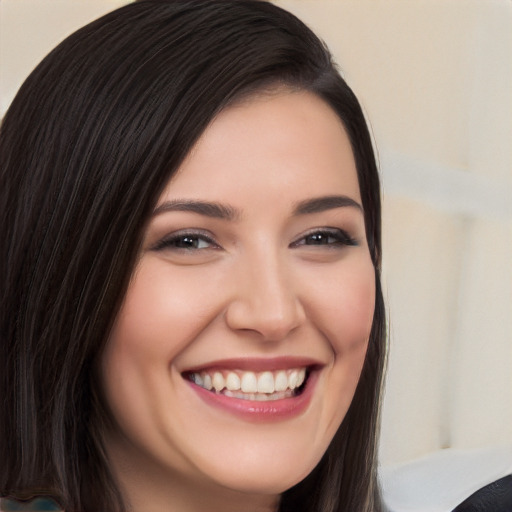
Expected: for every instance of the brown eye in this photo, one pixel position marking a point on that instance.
(319, 239)
(326, 237)
(189, 242)
(186, 242)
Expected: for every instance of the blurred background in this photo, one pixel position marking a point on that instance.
(435, 80)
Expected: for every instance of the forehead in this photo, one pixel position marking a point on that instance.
(285, 142)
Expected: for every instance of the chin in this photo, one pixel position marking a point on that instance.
(269, 477)
(261, 483)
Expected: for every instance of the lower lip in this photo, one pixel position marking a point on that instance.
(272, 410)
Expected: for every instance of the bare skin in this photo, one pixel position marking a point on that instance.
(254, 262)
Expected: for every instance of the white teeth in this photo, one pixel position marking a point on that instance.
(266, 383)
(281, 381)
(218, 381)
(301, 377)
(292, 379)
(198, 379)
(259, 397)
(207, 382)
(232, 381)
(249, 383)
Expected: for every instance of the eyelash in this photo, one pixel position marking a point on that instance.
(171, 241)
(341, 238)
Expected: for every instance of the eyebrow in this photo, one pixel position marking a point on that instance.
(206, 208)
(227, 212)
(322, 204)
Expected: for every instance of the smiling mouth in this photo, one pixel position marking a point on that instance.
(255, 386)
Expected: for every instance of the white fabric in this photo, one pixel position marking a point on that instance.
(441, 481)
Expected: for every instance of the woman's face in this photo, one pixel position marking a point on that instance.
(242, 336)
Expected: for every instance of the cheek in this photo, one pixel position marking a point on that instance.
(154, 325)
(341, 305)
(346, 305)
(162, 312)
(347, 327)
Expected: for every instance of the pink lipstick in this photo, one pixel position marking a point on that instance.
(256, 389)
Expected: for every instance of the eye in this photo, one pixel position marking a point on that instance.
(186, 241)
(330, 237)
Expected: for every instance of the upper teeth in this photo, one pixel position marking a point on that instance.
(250, 382)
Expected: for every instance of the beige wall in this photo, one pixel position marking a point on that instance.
(435, 79)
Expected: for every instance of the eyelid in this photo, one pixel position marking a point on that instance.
(166, 241)
(345, 239)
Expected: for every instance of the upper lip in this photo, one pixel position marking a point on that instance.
(257, 364)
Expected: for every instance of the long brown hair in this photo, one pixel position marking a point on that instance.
(86, 147)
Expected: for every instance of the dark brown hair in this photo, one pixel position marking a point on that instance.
(86, 147)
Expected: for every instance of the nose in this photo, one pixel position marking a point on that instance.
(265, 301)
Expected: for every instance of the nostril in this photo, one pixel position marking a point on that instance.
(272, 324)
(264, 301)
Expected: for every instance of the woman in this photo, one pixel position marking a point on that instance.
(191, 310)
